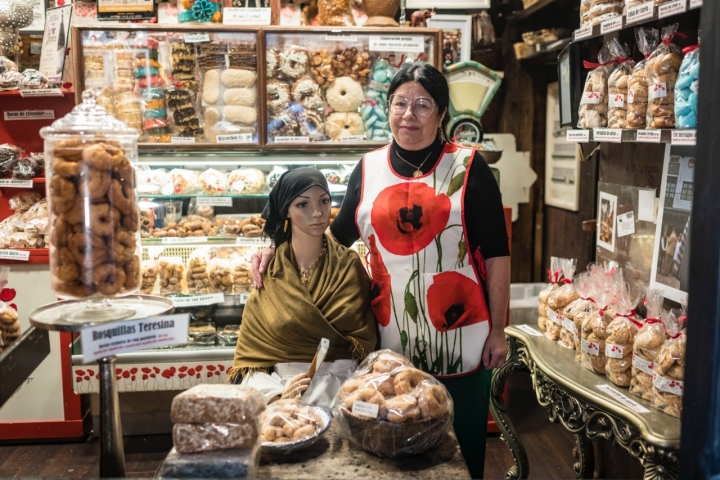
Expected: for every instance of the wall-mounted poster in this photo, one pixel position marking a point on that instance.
(55, 42)
(671, 253)
(607, 213)
(38, 24)
(457, 36)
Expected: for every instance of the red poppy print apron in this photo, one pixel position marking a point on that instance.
(426, 292)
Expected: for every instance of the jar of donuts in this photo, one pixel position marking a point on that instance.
(94, 218)
(390, 408)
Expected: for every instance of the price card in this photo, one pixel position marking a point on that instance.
(235, 138)
(199, 300)
(648, 136)
(246, 16)
(29, 115)
(244, 298)
(352, 139)
(252, 241)
(672, 8)
(13, 183)
(684, 137)
(365, 409)
(391, 43)
(590, 98)
(616, 100)
(626, 224)
(22, 256)
(182, 140)
(613, 135)
(610, 390)
(340, 37)
(214, 201)
(530, 330)
(175, 240)
(197, 37)
(696, 3)
(640, 12)
(579, 136)
(42, 92)
(612, 25)
(584, 32)
(292, 139)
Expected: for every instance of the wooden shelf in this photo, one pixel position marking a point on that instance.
(16, 93)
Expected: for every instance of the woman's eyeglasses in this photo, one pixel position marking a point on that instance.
(422, 106)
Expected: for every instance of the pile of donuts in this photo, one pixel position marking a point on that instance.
(288, 421)
(413, 408)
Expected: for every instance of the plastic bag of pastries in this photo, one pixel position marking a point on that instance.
(198, 278)
(593, 332)
(335, 13)
(246, 180)
(172, 276)
(22, 201)
(618, 84)
(184, 181)
(637, 98)
(646, 345)
(686, 89)
(288, 421)
(599, 11)
(213, 182)
(619, 342)
(9, 323)
(594, 102)
(220, 275)
(553, 278)
(561, 298)
(241, 269)
(669, 367)
(570, 334)
(389, 408)
(583, 307)
(662, 69)
(150, 275)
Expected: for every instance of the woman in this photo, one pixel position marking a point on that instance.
(314, 288)
(431, 214)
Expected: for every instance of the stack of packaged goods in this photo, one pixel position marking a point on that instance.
(149, 80)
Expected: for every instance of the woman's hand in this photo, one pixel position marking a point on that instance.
(260, 260)
(296, 386)
(495, 350)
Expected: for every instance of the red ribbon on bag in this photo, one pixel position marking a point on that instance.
(668, 41)
(689, 49)
(553, 277)
(652, 320)
(591, 65)
(622, 60)
(682, 319)
(566, 281)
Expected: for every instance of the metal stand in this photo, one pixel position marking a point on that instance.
(112, 453)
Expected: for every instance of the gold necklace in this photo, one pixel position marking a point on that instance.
(305, 274)
(417, 171)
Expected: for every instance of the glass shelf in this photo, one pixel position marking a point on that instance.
(207, 241)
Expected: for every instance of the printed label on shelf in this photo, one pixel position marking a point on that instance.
(626, 224)
(184, 239)
(42, 92)
(13, 183)
(235, 138)
(612, 25)
(244, 298)
(292, 139)
(35, 48)
(613, 135)
(197, 37)
(246, 16)
(643, 365)
(622, 398)
(340, 37)
(405, 43)
(648, 136)
(584, 32)
(529, 330)
(590, 347)
(614, 351)
(640, 12)
(110, 339)
(214, 201)
(20, 255)
(696, 3)
(29, 115)
(352, 139)
(182, 140)
(199, 300)
(616, 101)
(591, 98)
(365, 409)
(252, 241)
(669, 385)
(684, 137)
(672, 8)
(658, 90)
(578, 136)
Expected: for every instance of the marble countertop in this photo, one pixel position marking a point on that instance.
(333, 457)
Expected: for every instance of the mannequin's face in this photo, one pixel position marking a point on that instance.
(309, 213)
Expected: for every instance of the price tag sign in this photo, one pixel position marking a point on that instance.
(529, 330)
(672, 8)
(214, 201)
(292, 139)
(19, 255)
(640, 12)
(612, 25)
(696, 3)
(113, 338)
(244, 298)
(613, 135)
(246, 16)
(683, 137)
(29, 115)
(364, 409)
(610, 390)
(340, 37)
(626, 224)
(197, 37)
(182, 140)
(175, 240)
(199, 300)
(235, 138)
(42, 92)
(251, 241)
(578, 136)
(389, 43)
(584, 32)
(352, 139)
(648, 136)
(12, 183)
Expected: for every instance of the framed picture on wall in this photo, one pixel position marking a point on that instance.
(457, 36)
(671, 252)
(607, 213)
(37, 27)
(450, 4)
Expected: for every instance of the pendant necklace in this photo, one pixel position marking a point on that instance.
(417, 171)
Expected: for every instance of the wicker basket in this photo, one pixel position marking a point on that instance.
(381, 13)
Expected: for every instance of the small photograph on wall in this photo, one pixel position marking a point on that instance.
(671, 253)
(607, 213)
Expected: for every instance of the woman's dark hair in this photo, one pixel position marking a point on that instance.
(431, 80)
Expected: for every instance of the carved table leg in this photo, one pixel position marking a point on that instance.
(585, 466)
(498, 409)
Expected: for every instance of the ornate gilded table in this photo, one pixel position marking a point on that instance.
(586, 404)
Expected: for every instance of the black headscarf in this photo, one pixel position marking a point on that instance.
(291, 184)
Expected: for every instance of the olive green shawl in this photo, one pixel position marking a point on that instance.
(285, 321)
